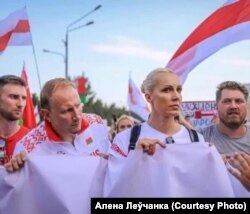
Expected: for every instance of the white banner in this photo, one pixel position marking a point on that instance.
(52, 185)
(186, 170)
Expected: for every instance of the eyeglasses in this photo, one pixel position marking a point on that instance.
(169, 140)
(2, 150)
(125, 126)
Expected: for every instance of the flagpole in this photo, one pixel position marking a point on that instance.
(34, 53)
(37, 70)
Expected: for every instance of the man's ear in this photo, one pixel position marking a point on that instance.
(148, 97)
(45, 113)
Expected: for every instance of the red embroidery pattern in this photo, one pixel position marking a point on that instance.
(93, 118)
(35, 137)
(118, 150)
(39, 135)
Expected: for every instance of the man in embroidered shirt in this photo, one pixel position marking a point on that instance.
(65, 129)
(12, 103)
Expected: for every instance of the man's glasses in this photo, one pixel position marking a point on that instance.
(2, 150)
(169, 140)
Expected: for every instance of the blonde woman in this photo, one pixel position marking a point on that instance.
(120, 124)
(162, 90)
(124, 122)
(178, 171)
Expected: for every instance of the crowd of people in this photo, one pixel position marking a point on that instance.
(66, 129)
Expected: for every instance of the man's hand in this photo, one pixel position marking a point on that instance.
(241, 161)
(105, 156)
(16, 162)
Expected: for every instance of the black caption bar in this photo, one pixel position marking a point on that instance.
(167, 205)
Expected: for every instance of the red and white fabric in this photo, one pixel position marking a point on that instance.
(92, 139)
(136, 102)
(15, 30)
(227, 25)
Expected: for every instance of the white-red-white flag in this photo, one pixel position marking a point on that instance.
(136, 102)
(15, 30)
(227, 25)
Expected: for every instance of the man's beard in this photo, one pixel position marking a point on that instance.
(8, 115)
(232, 124)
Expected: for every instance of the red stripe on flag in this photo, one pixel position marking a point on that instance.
(4, 40)
(237, 13)
(22, 27)
(15, 24)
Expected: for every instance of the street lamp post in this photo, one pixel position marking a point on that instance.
(67, 45)
(57, 53)
(54, 52)
(70, 29)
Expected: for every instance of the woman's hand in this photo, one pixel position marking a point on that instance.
(149, 145)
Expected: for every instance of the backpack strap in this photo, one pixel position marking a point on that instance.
(193, 135)
(135, 133)
(136, 130)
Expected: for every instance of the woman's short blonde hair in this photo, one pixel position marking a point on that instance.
(122, 117)
(149, 82)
